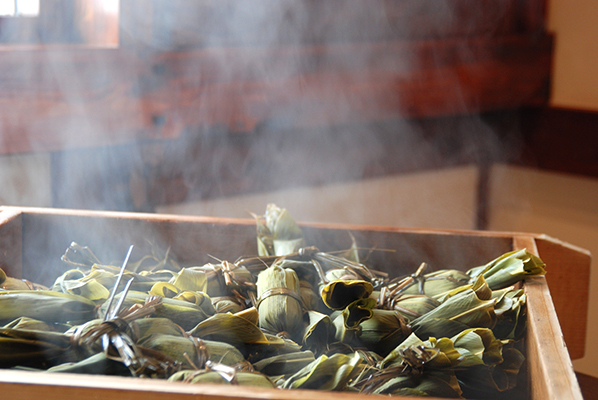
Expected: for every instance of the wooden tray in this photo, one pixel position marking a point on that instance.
(33, 239)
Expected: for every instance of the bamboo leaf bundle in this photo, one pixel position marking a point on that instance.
(36, 349)
(181, 312)
(284, 364)
(510, 313)
(37, 325)
(220, 378)
(74, 282)
(348, 322)
(279, 304)
(191, 280)
(413, 306)
(460, 312)
(509, 269)
(384, 331)
(277, 232)
(437, 282)
(338, 294)
(44, 305)
(225, 304)
(185, 350)
(275, 345)
(224, 277)
(149, 326)
(319, 332)
(97, 364)
(229, 328)
(327, 373)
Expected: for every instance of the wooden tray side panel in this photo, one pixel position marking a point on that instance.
(568, 277)
(19, 385)
(192, 242)
(46, 237)
(11, 230)
(549, 365)
(401, 252)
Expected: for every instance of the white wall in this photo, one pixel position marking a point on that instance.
(575, 76)
(25, 180)
(433, 199)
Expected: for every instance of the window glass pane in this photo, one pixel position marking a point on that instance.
(27, 8)
(110, 6)
(7, 8)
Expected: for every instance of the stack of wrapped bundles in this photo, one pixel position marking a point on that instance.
(289, 317)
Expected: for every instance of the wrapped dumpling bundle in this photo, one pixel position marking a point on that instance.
(279, 303)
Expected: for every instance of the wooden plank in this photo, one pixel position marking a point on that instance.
(568, 277)
(550, 369)
(18, 385)
(348, 83)
(60, 98)
(218, 23)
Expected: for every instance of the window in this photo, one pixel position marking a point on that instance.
(19, 8)
(48, 22)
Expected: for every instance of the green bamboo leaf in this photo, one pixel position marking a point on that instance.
(487, 381)
(44, 305)
(284, 364)
(478, 346)
(182, 313)
(200, 299)
(37, 325)
(182, 349)
(327, 373)
(36, 349)
(190, 279)
(277, 232)
(338, 294)
(212, 377)
(384, 331)
(229, 328)
(447, 358)
(347, 323)
(164, 289)
(509, 269)
(414, 306)
(511, 314)
(97, 364)
(434, 384)
(459, 312)
(438, 282)
(319, 332)
(148, 326)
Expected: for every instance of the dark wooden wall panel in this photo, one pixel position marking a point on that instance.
(184, 65)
